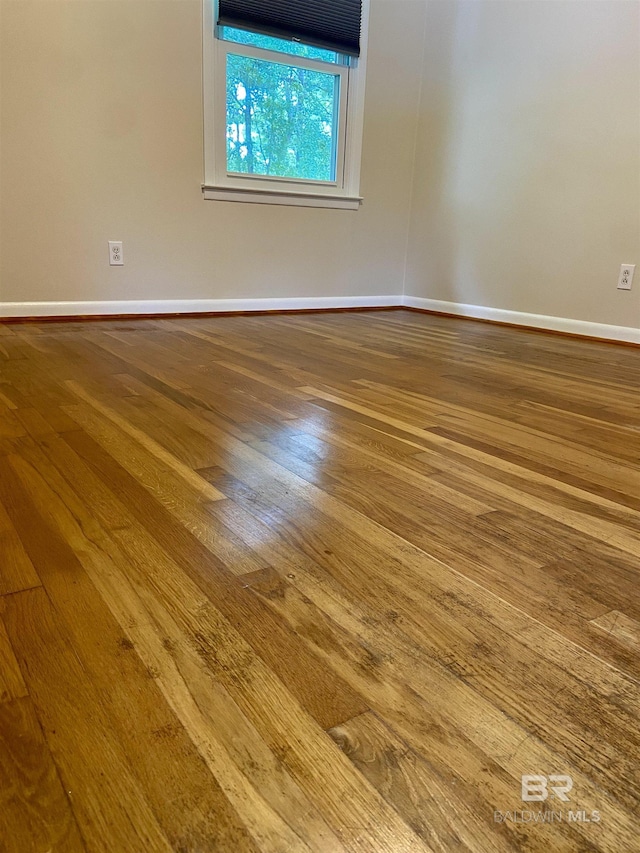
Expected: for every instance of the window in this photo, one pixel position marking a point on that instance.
(284, 93)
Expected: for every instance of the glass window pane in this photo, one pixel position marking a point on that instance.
(281, 45)
(281, 119)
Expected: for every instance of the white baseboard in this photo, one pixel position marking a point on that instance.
(188, 306)
(12, 310)
(520, 318)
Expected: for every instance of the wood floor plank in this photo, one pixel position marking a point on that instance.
(35, 811)
(425, 437)
(378, 664)
(275, 810)
(316, 583)
(620, 627)
(427, 803)
(232, 663)
(321, 691)
(110, 805)
(154, 451)
(17, 571)
(187, 502)
(12, 684)
(138, 730)
(565, 458)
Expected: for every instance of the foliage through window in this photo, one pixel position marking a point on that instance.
(281, 118)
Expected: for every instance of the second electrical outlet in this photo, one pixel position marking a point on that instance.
(115, 253)
(625, 279)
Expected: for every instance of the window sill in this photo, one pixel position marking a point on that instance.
(279, 197)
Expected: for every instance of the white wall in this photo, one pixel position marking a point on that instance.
(527, 177)
(101, 139)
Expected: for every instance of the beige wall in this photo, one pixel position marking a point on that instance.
(101, 138)
(527, 178)
(524, 194)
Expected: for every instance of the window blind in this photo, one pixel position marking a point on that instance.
(331, 24)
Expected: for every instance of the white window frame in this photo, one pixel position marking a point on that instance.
(221, 185)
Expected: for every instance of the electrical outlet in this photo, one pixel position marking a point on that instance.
(626, 276)
(115, 253)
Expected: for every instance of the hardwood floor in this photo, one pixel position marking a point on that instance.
(317, 583)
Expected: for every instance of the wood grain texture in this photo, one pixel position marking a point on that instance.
(316, 583)
(12, 684)
(17, 572)
(109, 745)
(35, 810)
(620, 627)
(427, 803)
